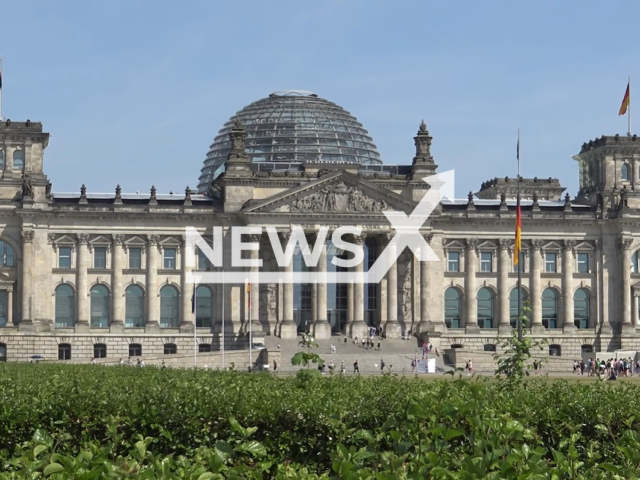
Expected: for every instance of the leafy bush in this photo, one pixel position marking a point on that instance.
(81, 421)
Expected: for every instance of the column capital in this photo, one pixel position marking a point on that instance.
(27, 236)
(472, 244)
(118, 239)
(285, 236)
(569, 246)
(504, 244)
(359, 240)
(536, 244)
(255, 238)
(428, 236)
(625, 243)
(153, 239)
(83, 239)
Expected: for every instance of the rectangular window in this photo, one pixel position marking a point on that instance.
(486, 261)
(453, 261)
(583, 262)
(135, 350)
(135, 258)
(64, 257)
(100, 257)
(521, 264)
(550, 262)
(64, 351)
(169, 258)
(203, 261)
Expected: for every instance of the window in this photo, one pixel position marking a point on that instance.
(64, 351)
(452, 308)
(135, 258)
(4, 308)
(485, 261)
(203, 261)
(485, 308)
(370, 289)
(1, 159)
(555, 351)
(170, 349)
(204, 348)
(634, 262)
(204, 307)
(169, 307)
(581, 308)
(99, 350)
(453, 261)
(99, 306)
(624, 171)
(489, 347)
(550, 260)
(549, 308)
(64, 257)
(100, 257)
(18, 160)
(65, 306)
(583, 262)
(134, 307)
(521, 266)
(135, 350)
(6, 254)
(586, 349)
(513, 305)
(170, 258)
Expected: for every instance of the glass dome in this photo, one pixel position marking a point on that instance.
(293, 126)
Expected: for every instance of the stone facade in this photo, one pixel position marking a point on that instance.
(72, 264)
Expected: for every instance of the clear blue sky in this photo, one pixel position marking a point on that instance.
(133, 92)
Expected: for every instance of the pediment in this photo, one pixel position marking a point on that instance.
(488, 244)
(336, 193)
(455, 245)
(100, 240)
(135, 241)
(551, 246)
(585, 246)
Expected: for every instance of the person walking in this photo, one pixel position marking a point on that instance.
(382, 366)
(356, 368)
(275, 366)
(343, 369)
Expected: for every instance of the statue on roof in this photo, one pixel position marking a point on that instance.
(238, 138)
(27, 187)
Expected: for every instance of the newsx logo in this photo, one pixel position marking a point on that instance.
(243, 270)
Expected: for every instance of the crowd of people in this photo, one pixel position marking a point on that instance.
(611, 368)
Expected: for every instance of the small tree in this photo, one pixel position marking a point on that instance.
(516, 362)
(308, 357)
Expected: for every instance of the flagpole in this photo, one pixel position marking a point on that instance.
(519, 320)
(250, 331)
(223, 295)
(629, 109)
(0, 88)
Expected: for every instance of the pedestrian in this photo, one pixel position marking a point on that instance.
(363, 342)
(470, 367)
(356, 369)
(331, 367)
(378, 345)
(382, 365)
(121, 361)
(413, 365)
(355, 340)
(345, 339)
(138, 363)
(343, 369)
(275, 366)
(93, 361)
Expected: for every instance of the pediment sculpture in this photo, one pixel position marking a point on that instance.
(338, 197)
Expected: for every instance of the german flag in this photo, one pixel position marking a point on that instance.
(625, 101)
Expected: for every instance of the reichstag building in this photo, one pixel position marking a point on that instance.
(87, 274)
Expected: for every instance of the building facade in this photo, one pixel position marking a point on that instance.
(92, 275)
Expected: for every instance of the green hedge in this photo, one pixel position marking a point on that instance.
(111, 422)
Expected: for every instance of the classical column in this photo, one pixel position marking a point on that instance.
(10, 307)
(83, 316)
(425, 292)
(392, 329)
(288, 328)
(359, 327)
(567, 284)
(187, 320)
(625, 245)
(471, 323)
(153, 302)
(27, 292)
(254, 294)
(536, 293)
(117, 290)
(322, 329)
(350, 304)
(504, 325)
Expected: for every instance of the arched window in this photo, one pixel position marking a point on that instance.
(6, 254)
(18, 160)
(1, 159)
(3, 352)
(635, 266)
(624, 171)
(65, 306)
(485, 308)
(513, 305)
(452, 308)
(581, 308)
(169, 313)
(99, 306)
(204, 307)
(134, 307)
(550, 308)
